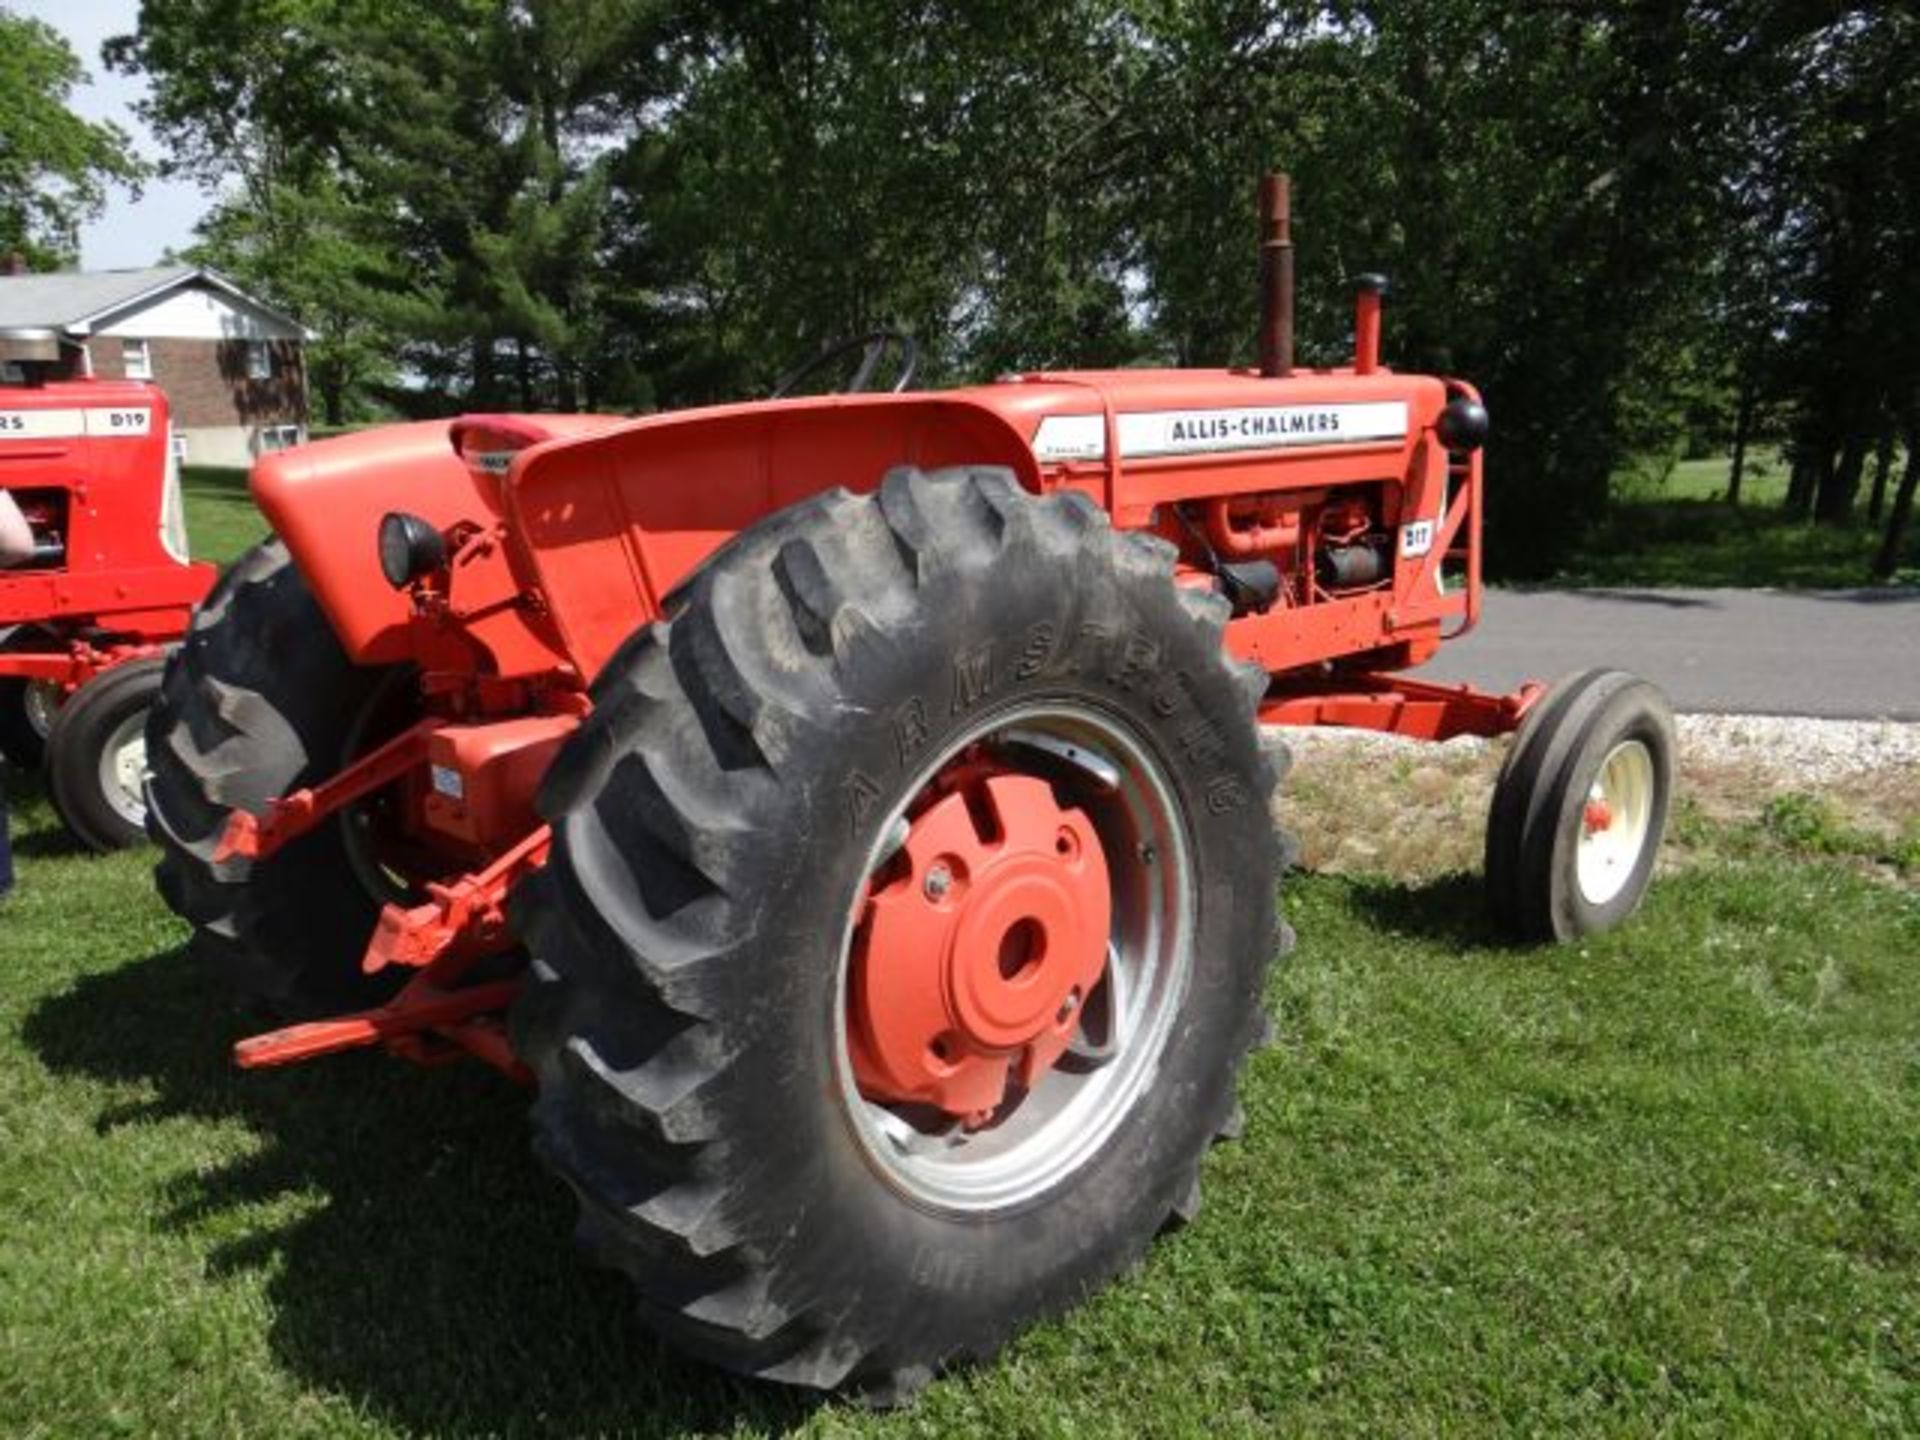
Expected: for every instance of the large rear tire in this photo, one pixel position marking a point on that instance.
(96, 755)
(764, 771)
(261, 700)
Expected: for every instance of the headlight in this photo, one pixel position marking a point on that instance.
(409, 548)
(1463, 425)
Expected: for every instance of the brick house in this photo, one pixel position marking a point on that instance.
(232, 367)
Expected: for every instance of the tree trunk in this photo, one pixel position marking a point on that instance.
(1840, 485)
(1901, 520)
(1742, 428)
(483, 397)
(1882, 465)
(1808, 463)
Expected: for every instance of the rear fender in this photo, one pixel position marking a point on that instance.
(613, 521)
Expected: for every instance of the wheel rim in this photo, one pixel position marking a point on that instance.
(38, 702)
(1056, 947)
(122, 769)
(363, 824)
(1615, 822)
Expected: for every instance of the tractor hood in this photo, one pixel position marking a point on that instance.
(602, 517)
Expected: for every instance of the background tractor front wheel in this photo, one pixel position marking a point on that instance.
(97, 755)
(911, 899)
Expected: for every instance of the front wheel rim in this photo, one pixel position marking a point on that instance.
(1616, 820)
(1101, 773)
(122, 769)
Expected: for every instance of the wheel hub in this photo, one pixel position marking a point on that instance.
(122, 769)
(1616, 821)
(978, 949)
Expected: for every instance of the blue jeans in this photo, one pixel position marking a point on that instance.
(6, 848)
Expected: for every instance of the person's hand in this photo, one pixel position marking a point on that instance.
(16, 539)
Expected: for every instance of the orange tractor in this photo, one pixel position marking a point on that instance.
(851, 813)
(84, 624)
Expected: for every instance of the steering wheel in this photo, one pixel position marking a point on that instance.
(872, 347)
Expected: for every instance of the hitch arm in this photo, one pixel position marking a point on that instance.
(287, 818)
(469, 912)
(421, 1008)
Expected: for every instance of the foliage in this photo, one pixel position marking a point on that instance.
(54, 166)
(1810, 824)
(1636, 226)
(308, 250)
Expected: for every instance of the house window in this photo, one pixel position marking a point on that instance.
(278, 437)
(136, 360)
(259, 360)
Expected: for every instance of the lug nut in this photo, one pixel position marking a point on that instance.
(1068, 1005)
(939, 881)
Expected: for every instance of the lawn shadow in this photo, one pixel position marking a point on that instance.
(35, 830)
(418, 1258)
(47, 842)
(1451, 909)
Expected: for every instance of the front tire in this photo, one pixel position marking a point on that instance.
(96, 755)
(259, 701)
(1580, 807)
(856, 694)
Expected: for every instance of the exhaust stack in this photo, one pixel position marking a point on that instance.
(1368, 291)
(1276, 276)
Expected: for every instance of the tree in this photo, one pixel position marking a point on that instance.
(55, 168)
(1632, 225)
(1900, 521)
(1828, 186)
(422, 182)
(309, 251)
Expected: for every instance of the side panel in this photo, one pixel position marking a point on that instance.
(325, 500)
(87, 460)
(616, 520)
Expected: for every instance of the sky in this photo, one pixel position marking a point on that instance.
(129, 232)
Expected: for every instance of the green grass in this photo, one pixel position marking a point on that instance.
(1765, 481)
(1667, 1181)
(1673, 528)
(221, 518)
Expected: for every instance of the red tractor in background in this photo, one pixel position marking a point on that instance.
(851, 812)
(85, 623)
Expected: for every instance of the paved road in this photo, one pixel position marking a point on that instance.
(1851, 654)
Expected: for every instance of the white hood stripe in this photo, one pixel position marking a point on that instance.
(1196, 432)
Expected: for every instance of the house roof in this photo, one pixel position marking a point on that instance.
(75, 300)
